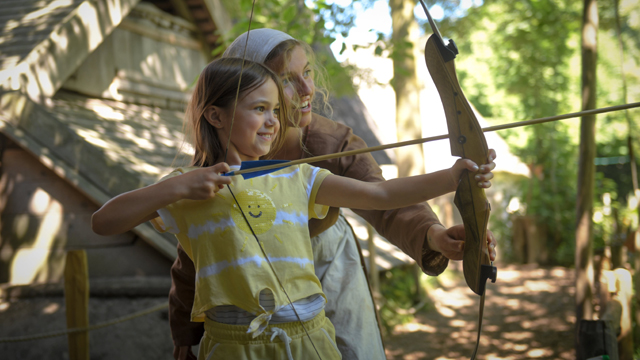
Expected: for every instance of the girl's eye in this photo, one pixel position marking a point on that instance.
(276, 113)
(307, 73)
(286, 82)
(260, 108)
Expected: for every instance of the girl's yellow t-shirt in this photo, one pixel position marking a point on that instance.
(230, 267)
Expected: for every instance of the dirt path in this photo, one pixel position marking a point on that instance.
(529, 314)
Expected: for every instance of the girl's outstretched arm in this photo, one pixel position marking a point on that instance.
(338, 191)
(128, 210)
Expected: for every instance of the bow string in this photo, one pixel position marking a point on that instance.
(262, 250)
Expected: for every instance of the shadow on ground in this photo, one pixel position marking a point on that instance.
(528, 314)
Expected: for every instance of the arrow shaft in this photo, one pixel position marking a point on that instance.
(441, 137)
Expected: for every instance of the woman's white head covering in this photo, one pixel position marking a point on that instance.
(261, 42)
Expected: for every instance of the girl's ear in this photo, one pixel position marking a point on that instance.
(213, 114)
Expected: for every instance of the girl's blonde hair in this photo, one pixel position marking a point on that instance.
(217, 85)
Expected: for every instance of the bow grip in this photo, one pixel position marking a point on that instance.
(474, 209)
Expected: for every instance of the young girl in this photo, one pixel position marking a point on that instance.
(227, 231)
(338, 262)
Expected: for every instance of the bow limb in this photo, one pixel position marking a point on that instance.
(467, 141)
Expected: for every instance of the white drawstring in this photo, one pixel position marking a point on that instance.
(285, 339)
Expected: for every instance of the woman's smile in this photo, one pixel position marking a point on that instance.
(305, 106)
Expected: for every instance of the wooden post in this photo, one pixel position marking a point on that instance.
(76, 295)
(624, 296)
(616, 308)
(596, 338)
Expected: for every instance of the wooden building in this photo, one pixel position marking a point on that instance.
(91, 105)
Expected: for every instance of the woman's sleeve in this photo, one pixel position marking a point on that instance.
(183, 279)
(406, 227)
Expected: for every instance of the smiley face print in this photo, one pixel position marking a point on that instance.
(259, 210)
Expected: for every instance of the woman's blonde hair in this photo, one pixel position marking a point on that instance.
(280, 57)
(218, 85)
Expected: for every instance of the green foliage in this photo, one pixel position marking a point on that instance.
(520, 54)
(521, 60)
(550, 194)
(613, 218)
(619, 81)
(398, 289)
(318, 25)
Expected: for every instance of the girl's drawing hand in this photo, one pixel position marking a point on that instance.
(203, 184)
(458, 168)
(485, 171)
(484, 174)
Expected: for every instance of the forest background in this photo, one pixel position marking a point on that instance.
(522, 60)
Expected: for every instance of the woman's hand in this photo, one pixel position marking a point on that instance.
(203, 184)
(450, 242)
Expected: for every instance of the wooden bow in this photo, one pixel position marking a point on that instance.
(467, 141)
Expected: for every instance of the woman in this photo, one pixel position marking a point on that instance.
(338, 264)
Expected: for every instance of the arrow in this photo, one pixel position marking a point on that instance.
(251, 169)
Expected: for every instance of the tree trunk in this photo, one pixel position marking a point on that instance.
(410, 159)
(586, 169)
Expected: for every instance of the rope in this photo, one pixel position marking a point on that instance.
(88, 328)
(235, 106)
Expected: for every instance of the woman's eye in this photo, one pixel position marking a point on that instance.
(307, 73)
(260, 108)
(286, 82)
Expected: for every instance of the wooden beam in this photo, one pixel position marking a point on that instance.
(76, 297)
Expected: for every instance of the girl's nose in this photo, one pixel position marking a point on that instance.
(271, 119)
